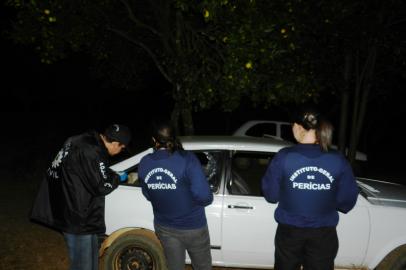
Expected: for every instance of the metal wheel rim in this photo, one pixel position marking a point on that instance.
(134, 258)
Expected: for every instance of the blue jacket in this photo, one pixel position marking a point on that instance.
(177, 188)
(310, 186)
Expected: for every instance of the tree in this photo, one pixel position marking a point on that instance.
(359, 42)
(220, 52)
(212, 52)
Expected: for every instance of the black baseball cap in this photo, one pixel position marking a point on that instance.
(118, 133)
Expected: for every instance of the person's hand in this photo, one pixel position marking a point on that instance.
(123, 176)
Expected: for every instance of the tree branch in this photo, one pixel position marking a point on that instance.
(137, 21)
(400, 21)
(143, 46)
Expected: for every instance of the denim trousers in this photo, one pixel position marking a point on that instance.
(176, 242)
(312, 248)
(83, 251)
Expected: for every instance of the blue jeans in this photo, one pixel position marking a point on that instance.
(83, 251)
(175, 242)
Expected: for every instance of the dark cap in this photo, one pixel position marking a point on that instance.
(118, 133)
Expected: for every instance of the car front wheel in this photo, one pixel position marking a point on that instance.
(395, 260)
(134, 250)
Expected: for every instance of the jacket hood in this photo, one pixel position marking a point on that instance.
(383, 193)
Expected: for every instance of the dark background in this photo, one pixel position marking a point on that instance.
(41, 105)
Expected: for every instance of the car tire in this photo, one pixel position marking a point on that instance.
(136, 249)
(395, 260)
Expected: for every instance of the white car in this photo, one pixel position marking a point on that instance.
(241, 221)
(276, 129)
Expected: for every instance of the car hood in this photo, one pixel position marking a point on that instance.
(383, 193)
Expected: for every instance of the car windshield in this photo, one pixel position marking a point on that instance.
(380, 192)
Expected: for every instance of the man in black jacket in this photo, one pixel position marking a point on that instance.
(71, 197)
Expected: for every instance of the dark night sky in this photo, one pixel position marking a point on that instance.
(49, 103)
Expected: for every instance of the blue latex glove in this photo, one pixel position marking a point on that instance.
(123, 176)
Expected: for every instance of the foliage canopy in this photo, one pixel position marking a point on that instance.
(212, 52)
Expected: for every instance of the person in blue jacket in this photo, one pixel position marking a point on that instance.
(173, 180)
(310, 183)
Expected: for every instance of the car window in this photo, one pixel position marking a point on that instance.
(286, 133)
(211, 163)
(262, 129)
(247, 170)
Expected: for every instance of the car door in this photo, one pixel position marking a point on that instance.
(353, 231)
(248, 223)
(212, 164)
(249, 226)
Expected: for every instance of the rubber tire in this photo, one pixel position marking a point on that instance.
(134, 250)
(395, 260)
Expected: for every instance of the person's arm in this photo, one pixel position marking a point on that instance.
(144, 190)
(347, 189)
(199, 185)
(99, 179)
(141, 176)
(271, 180)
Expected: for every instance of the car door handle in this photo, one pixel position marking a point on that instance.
(240, 207)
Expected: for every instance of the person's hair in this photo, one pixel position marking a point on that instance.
(165, 137)
(108, 138)
(309, 119)
(324, 134)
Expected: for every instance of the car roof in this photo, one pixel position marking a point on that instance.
(249, 124)
(214, 143)
(233, 143)
(267, 121)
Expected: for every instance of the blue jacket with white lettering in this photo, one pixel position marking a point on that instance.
(310, 186)
(177, 188)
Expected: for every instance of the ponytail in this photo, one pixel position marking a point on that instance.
(164, 137)
(324, 134)
(310, 119)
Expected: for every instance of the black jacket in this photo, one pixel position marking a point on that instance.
(71, 196)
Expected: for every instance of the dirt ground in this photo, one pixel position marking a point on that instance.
(25, 245)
